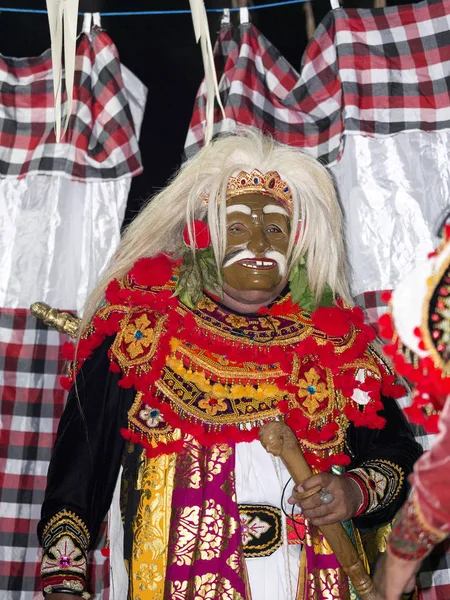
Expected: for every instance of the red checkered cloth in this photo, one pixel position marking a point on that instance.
(32, 404)
(100, 143)
(376, 72)
(255, 82)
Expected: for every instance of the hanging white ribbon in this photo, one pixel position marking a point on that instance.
(201, 31)
(87, 23)
(62, 19)
(226, 17)
(244, 15)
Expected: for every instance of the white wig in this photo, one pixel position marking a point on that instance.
(159, 226)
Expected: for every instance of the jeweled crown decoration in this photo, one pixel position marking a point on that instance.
(269, 184)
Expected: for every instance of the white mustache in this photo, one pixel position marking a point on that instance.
(279, 258)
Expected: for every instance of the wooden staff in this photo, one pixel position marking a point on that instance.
(278, 439)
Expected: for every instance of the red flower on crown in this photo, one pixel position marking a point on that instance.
(200, 235)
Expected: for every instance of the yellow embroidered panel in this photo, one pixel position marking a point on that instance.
(151, 528)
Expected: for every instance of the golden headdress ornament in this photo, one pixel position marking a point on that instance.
(268, 184)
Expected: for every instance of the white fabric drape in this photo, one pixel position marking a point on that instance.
(269, 575)
(394, 191)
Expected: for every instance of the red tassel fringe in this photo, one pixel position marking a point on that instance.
(334, 322)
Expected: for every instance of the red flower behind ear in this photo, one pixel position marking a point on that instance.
(200, 234)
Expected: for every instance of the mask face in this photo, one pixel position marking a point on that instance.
(258, 230)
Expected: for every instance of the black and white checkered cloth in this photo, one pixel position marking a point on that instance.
(32, 402)
(100, 143)
(376, 72)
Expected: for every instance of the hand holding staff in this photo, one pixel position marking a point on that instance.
(278, 439)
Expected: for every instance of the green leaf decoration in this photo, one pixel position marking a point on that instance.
(189, 286)
(298, 283)
(300, 291)
(212, 280)
(196, 275)
(327, 297)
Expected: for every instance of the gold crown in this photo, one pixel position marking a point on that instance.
(269, 184)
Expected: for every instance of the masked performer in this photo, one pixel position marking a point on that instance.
(226, 306)
(419, 327)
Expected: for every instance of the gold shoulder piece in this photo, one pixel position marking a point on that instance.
(63, 322)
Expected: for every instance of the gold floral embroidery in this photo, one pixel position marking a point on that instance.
(269, 323)
(205, 587)
(292, 329)
(220, 453)
(228, 487)
(178, 590)
(138, 335)
(328, 584)
(148, 577)
(313, 390)
(236, 321)
(128, 347)
(235, 562)
(188, 472)
(213, 405)
(314, 538)
(201, 532)
(185, 400)
(206, 304)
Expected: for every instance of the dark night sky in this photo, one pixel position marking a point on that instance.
(162, 52)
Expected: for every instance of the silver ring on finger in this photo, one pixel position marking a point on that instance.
(325, 496)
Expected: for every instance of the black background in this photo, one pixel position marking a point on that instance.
(161, 51)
